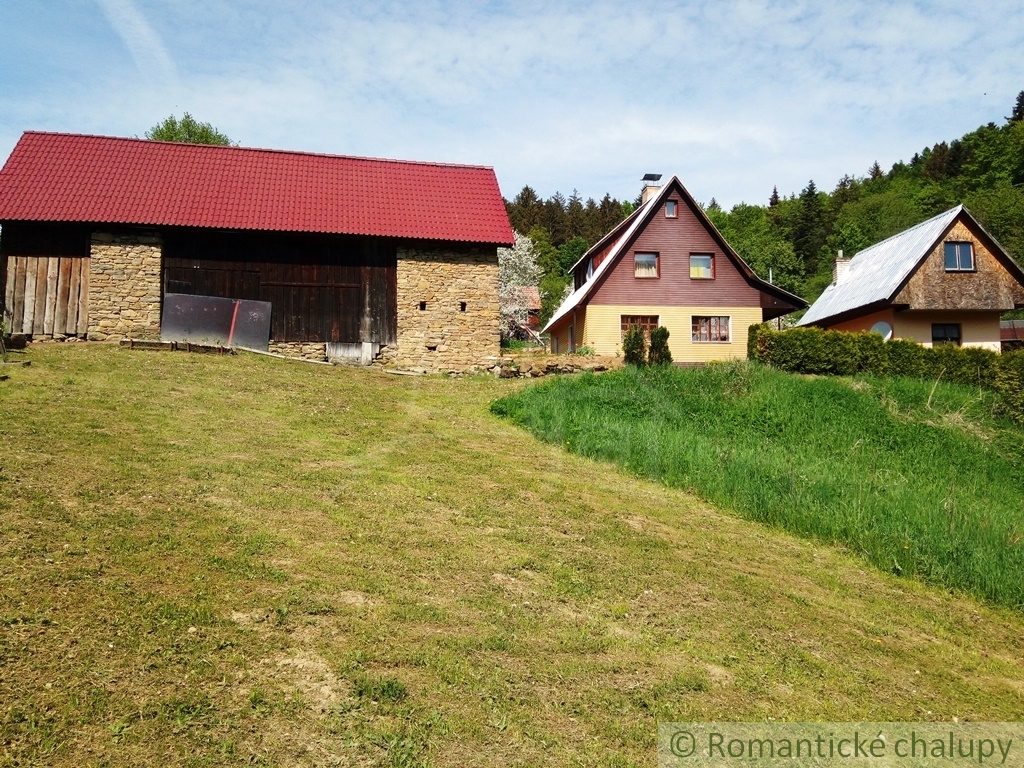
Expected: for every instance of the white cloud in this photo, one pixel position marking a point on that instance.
(141, 40)
(735, 96)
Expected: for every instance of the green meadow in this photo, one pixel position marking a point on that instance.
(918, 478)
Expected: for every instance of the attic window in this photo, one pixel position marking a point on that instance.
(959, 257)
(645, 265)
(670, 209)
(702, 266)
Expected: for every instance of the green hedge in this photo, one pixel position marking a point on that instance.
(838, 353)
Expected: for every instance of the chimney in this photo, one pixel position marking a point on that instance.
(840, 269)
(651, 186)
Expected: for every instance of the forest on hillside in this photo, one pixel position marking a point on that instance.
(796, 238)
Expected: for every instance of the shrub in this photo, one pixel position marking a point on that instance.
(1009, 383)
(659, 353)
(634, 346)
(838, 353)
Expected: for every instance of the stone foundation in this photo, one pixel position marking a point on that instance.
(307, 350)
(447, 309)
(124, 286)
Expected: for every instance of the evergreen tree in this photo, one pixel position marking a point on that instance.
(592, 222)
(811, 229)
(659, 353)
(1018, 109)
(574, 215)
(774, 199)
(609, 213)
(634, 346)
(555, 220)
(875, 171)
(524, 212)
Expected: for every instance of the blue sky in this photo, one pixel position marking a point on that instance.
(733, 96)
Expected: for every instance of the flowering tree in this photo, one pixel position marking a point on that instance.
(517, 270)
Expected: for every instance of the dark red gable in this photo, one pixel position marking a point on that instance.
(74, 178)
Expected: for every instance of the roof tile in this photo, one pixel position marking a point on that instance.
(71, 177)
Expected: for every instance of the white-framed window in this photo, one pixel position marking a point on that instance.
(959, 257)
(645, 265)
(702, 266)
(710, 328)
(671, 209)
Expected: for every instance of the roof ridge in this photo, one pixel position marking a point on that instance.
(236, 147)
(908, 230)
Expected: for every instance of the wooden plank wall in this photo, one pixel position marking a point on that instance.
(334, 289)
(44, 271)
(47, 295)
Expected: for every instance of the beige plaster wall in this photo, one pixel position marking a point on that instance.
(602, 330)
(978, 329)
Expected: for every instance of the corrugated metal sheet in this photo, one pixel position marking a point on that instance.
(876, 273)
(69, 177)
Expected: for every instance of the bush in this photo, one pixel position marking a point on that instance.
(634, 346)
(838, 353)
(659, 353)
(1009, 383)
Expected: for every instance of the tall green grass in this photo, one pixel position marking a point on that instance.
(916, 476)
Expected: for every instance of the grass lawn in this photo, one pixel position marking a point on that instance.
(221, 561)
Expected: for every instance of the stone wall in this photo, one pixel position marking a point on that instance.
(124, 286)
(447, 309)
(307, 350)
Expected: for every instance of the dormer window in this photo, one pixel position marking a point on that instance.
(671, 207)
(959, 257)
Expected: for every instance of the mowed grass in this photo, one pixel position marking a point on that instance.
(917, 477)
(237, 561)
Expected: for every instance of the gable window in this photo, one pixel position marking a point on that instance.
(645, 265)
(647, 322)
(945, 333)
(710, 328)
(959, 257)
(702, 266)
(670, 209)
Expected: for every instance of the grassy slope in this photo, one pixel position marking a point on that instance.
(918, 477)
(231, 560)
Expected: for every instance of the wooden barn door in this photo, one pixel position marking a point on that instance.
(47, 295)
(46, 286)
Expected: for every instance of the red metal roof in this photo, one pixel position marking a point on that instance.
(75, 178)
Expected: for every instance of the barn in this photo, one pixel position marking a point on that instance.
(390, 261)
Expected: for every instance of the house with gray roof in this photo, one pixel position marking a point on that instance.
(945, 280)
